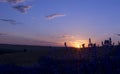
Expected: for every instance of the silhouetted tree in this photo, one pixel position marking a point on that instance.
(110, 41)
(90, 43)
(102, 43)
(25, 50)
(65, 44)
(113, 44)
(83, 45)
(118, 43)
(94, 45)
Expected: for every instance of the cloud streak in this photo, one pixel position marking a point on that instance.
(1, 34)
(118, 34)
(67, 36)
(13, 1)
(12, 39)
(53, 16)
(13, 22)
(22, 8)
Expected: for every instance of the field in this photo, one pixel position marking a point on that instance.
(22, 59)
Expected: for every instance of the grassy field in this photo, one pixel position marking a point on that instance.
(58, 60)
(28, 55)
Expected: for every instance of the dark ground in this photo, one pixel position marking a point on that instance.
(15, 59)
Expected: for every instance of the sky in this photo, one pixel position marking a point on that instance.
(53, 22)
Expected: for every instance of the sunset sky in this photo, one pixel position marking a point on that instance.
(53, 22)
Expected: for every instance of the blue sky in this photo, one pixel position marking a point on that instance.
(56, 21)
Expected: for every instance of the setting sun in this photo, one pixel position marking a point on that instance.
(78, 43)
(77, 46)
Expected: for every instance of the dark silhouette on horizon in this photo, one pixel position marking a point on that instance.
(104, 59)
(65, 44)
(83, 45)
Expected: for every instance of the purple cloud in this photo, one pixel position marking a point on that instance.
(1, 34)
(67, 36)
(118, 34)
(13, 22)
(13, 1)
(22, 8)
(13, 39)
(52, 16)
(2, 0)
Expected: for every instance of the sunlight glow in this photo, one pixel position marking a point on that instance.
(77, 46)
(78, 43)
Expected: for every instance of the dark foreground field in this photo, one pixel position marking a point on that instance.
(15, 59)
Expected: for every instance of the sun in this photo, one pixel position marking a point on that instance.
(78, 43)
(77, 46)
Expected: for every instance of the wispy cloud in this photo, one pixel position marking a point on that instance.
(56, 15)
(13, 1)
(118, 34)
(22, 8)
(13, 39)
(67, 36)
(1, 34)
(2, 0)
(13, 22)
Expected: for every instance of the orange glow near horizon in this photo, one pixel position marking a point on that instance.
(77, 46)
(78, 43)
